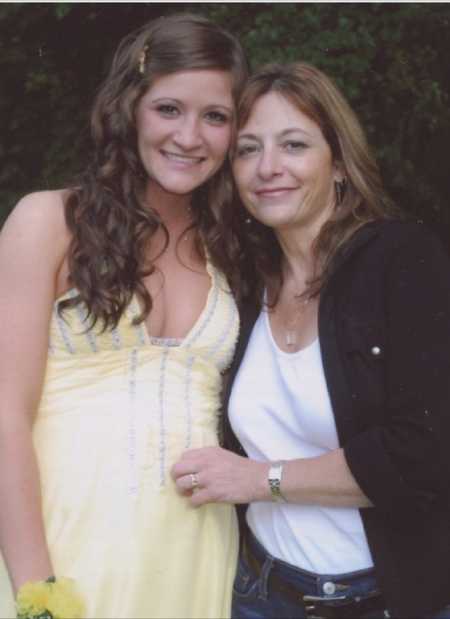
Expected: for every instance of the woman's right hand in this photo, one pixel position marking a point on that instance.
(222, 476)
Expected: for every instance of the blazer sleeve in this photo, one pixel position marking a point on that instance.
(404, 464)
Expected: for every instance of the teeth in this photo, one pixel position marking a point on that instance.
(183, 158)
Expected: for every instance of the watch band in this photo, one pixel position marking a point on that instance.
(274, 480)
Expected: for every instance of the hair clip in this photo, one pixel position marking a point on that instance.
(142, 58)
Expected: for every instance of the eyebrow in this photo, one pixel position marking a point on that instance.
(179, 102)
(282, 134)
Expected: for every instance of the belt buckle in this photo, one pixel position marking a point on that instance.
(319, 609)
(320, 598)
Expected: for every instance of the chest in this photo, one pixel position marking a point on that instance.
(293, 323)
(283, 397)
(179, 288)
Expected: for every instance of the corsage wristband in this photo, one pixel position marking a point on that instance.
(49, 599)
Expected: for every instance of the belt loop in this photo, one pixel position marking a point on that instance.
(264, 577)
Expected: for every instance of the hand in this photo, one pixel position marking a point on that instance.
(222, 476)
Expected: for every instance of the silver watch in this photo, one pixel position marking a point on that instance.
(274, 479)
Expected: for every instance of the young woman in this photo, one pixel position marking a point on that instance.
(116, 327)
(340, 392)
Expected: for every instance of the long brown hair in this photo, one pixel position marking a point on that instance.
(364, 199)
(110, 227)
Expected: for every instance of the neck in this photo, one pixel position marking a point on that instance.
(298, 257)
(174, 209)
(297, 244)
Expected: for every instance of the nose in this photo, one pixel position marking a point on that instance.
(188, 134)
(269, 164)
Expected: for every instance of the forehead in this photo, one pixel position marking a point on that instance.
(209, 86)
(274, 112)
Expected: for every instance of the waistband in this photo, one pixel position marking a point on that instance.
(322, 596)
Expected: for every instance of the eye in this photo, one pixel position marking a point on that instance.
(294, 146)
(168, 110)
(245, 150)
(216, 117)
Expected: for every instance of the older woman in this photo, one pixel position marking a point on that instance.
(340, 391)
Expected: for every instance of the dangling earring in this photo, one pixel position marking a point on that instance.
(339, 188)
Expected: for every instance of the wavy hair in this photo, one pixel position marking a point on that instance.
(110, 227)
(364, 198)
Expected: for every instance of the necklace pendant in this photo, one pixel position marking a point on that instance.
(290, 338)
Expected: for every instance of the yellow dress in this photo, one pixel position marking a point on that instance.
(117, 411)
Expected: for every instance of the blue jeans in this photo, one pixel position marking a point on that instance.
(254, 597)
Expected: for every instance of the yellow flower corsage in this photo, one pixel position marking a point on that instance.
(52, 599)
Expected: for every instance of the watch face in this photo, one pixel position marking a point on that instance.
(274, 479)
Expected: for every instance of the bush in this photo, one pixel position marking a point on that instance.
(389, 59)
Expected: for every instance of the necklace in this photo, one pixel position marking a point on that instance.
(291, 325)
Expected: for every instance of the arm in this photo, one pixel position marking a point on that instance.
(225, 477)
(31, 249)
(409, 452)
(405, 463)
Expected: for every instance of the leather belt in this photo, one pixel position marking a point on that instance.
(315, 607)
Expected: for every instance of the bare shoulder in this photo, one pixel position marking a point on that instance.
(34, 240)
(38, 220)
(41, 209)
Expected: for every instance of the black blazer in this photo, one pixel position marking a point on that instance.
(384, 332)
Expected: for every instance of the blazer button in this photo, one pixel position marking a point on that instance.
(375, 350)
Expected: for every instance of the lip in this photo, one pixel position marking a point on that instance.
(182, 160)
(273, 191)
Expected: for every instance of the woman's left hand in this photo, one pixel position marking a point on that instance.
(215, 475)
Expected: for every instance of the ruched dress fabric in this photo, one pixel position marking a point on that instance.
(116, 413)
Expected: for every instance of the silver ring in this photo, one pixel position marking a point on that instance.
(194, 480)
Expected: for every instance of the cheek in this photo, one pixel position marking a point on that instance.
(316, 174)
(143, 135)
(141, 122)
(241, 174)
(150, 128)
(242, 180)
(220, 142)
(308, 167)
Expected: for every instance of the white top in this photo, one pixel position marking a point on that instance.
(280, 409)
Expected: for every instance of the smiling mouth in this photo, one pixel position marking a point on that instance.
(183, 159)
(275, 191)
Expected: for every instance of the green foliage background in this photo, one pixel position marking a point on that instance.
(390, 59)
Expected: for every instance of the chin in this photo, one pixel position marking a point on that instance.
(180, 187)
(185, 183)
(274, 222)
